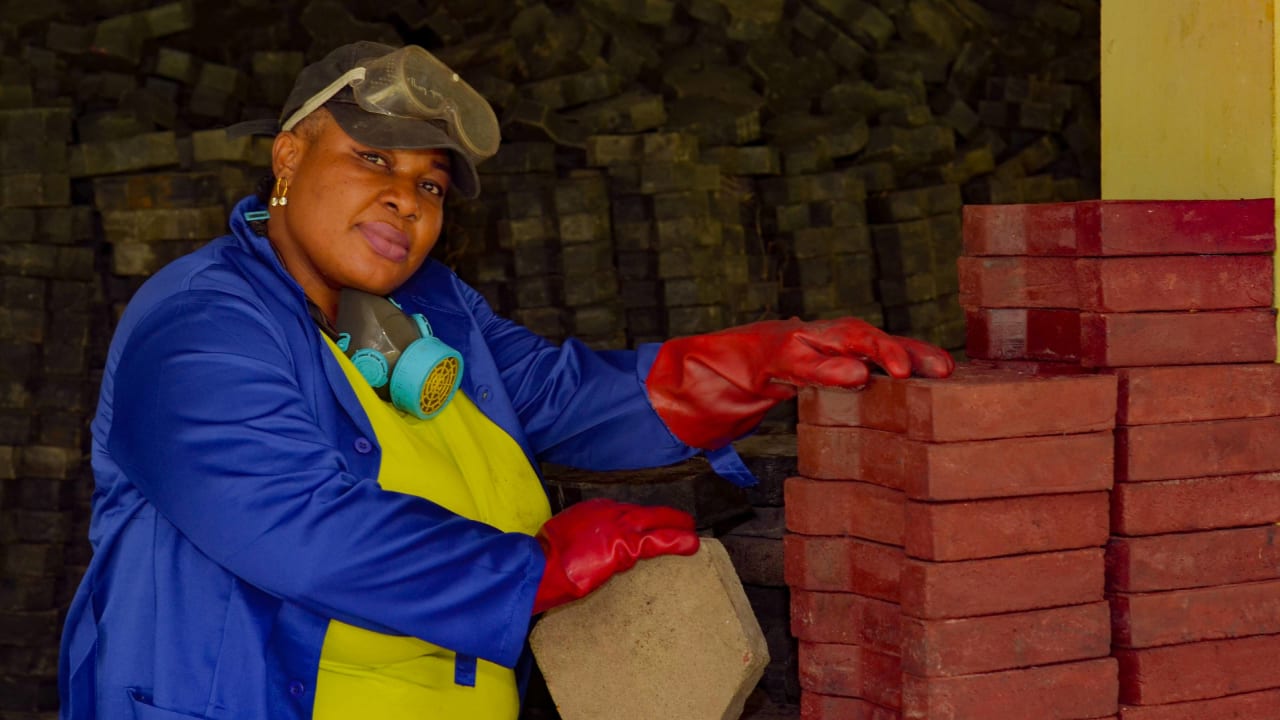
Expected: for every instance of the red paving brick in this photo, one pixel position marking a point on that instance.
(1186, 282)
(814, 706)
(1175, 227)
(842, 564)
(1037, 367)
(1200, 449)
(847, 619)
(975, 403)
(1249, 706)
(1026, 582)
(1197, 559)
(1022, 334)
(1112, 227)
(1199, 671)
(1035, 229)
(1176, 338)
(1018, 282)
(1109, 340)
(851, 671)
(842, 453)
(844, 507)
(966, 646)
(1002, 468)
(1194, 393)
(1168, 506)
(1006, 526)
(1117, 284)
(1066, 691)
(1209, 613)
(959, 470)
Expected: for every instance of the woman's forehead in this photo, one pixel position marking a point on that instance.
(332, 133)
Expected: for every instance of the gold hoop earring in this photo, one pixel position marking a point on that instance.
(280, 193)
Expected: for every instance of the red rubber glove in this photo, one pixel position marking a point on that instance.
(589, 542)
(712, 389)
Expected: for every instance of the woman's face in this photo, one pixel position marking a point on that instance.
(358, 216)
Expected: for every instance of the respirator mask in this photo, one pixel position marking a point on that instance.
(397, 353)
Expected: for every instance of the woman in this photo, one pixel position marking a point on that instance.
(273, 539)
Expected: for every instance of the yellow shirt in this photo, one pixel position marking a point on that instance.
(462, 461)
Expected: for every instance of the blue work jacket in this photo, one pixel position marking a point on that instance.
(236, 507)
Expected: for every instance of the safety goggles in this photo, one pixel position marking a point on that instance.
(411, 83)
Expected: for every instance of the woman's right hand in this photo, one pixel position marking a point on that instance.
(587, 543)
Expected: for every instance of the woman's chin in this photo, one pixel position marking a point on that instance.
(377, 285)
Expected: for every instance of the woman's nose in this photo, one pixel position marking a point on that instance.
(401, 196)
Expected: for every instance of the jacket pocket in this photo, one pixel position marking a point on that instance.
(144, 710)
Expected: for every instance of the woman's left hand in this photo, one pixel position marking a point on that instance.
(712, 389)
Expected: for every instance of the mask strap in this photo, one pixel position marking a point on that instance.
(322, 97)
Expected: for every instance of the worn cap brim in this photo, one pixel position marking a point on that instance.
(388, 132)
(396, 133)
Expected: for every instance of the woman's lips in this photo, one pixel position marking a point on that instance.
(385, 240)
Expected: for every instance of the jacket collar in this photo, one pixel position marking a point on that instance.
(422, 292)
(273, 275)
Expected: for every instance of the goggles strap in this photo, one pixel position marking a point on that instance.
(351, 76)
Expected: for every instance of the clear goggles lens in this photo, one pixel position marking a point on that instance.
(411, 83)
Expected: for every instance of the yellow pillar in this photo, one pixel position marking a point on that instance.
(1187, 102)
(1189, 108)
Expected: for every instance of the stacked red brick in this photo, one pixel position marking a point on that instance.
(945, 551)
(1173, 299)
(1108, 284)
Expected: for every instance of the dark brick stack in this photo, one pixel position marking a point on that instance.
(899, 96)
(754, 294)
(945, 551)
(48, 324)
(588, 268)
(904, 96)
(511, 246)
(158, 197)
(817, 226)
(1173, 299)
(1031, 108)
(678, 273)
(146, 155)
(916, 234)
(150, 219)
(888, 92)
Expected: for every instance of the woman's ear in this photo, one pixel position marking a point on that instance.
(285, 152)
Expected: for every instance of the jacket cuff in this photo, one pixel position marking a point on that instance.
(724, 461)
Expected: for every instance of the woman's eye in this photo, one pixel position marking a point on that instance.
(433, 188)
(374, 158)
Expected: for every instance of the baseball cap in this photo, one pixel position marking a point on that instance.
(394, 98)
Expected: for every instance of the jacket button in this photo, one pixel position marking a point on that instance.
(296, 688)
(483, 391)
(363, 446)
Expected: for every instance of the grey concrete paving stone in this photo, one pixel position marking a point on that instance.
(672, 638)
